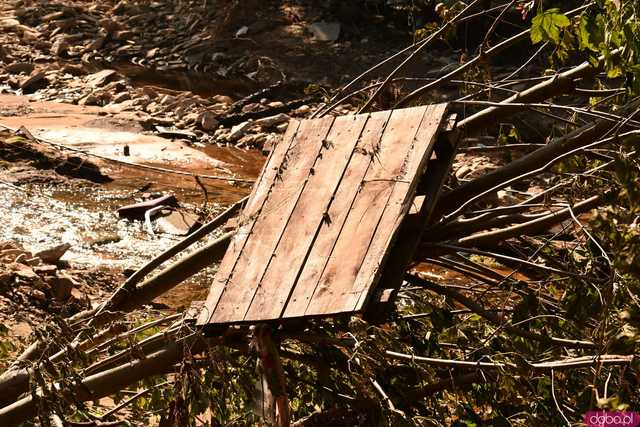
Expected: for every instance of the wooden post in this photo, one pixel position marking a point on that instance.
(275, 404)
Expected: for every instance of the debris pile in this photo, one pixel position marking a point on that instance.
(37, 280)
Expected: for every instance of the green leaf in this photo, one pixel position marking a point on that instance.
(547, 26)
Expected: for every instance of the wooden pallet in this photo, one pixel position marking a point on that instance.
(322, 216)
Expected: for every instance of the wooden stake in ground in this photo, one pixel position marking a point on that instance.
(275, 404)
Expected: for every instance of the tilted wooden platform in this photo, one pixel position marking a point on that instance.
(322, 217)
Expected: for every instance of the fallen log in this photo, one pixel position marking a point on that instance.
(107, 382)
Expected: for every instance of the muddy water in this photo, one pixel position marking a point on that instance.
(83, 214)
(42, 216)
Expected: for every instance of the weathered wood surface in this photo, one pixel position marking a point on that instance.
(321, 218)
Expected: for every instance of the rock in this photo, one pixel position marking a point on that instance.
(33, 262)
(89, 100)
(222, 99)
(242, 31)
(45, 270)
(325, 31)
(175, 133)
(150, 92)
(59, 47)
(121, 97)
(20, 67)
(102, 238)
(38, 295)
(167, 99)
(302, 110)
(74, 70)
(239, 130)
(249, 108)
(275, 104)
(208, 121)
(78, 295)
(34, 82)
(61, 287)
(120, 107)
(23, 271)
(141, 101)
(30, 36)
(268, 122)
(5, 55)
(191, 118)
(102, 77)
(269, 143)
(97, 43)
(9, 24)
(153, 107)
(463, 171)
(177, 222)
(252, 140)
(5, 278)
(123, 35)
(109, 25)
(53, 16)
(22, 329)
(53, 255)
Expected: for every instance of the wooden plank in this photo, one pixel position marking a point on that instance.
(336, 215)
(279, 279)
(353, 242)
(396, 209)
(258, 250)
(247, 219)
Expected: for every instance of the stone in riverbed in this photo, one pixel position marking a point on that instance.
(89, 100)
(271, 121)
(121, 97)
(239, 130)
(34, 82)
(61, 287)
(102, 77)
(208, 121)
(59, 47)
(20, 67)
(53, 255)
